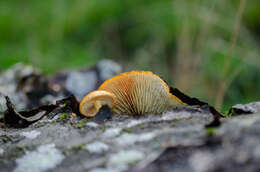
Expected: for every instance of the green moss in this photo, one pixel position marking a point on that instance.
(190, 118)
(5, 139)
(79, 147)
(211, 131)
(233, 112)
(128, 130)
(79, 125)
(82, 123)
(172, 124)
(20, 147)
(142, 126)
(64, 116)
(104, 128)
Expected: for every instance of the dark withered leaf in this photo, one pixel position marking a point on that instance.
(216, 118)
(21, 119)
(214, 123)
(70, 102)
(66, 105)
(194, 101)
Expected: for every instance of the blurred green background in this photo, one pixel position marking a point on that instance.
(186, 42)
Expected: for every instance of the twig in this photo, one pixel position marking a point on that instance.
(223, 82)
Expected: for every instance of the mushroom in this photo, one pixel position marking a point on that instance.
(91, 103)
(136, 93)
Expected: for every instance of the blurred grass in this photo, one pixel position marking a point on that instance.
(186, 42)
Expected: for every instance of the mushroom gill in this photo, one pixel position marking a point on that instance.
(140, 92)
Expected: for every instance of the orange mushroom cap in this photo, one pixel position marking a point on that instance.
(90, 104)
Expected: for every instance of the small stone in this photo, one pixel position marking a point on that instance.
(92, 124)
(134, 123)
(128, 139)
(1, 152)
(249, 108)
(44, 158)
(202, 161)
(120, 169)
(2, 103)
(30, 134)
(125, 157)
(97, 147)
(256, 152)
(113, 132)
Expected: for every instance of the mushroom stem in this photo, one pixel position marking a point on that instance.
(98, 105)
